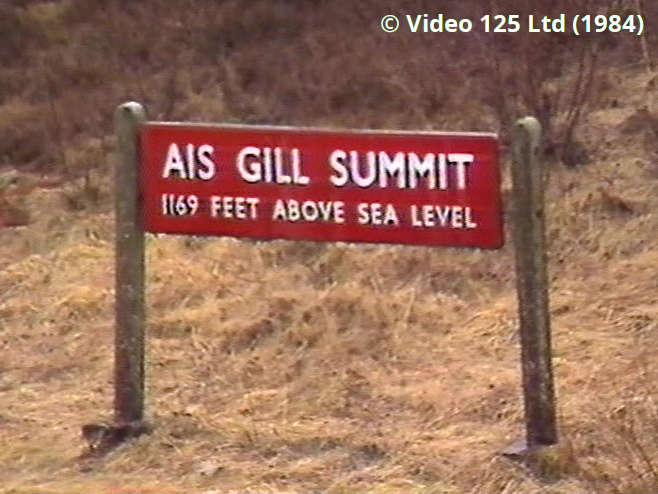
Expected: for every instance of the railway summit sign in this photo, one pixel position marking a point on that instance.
(423, 188)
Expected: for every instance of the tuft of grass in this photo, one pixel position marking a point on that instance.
(305, 367)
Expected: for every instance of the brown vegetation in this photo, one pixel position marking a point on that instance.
(306, 367)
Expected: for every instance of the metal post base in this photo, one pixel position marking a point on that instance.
(547, 461)
(103, 438)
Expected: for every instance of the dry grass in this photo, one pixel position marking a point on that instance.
(304, 367)
(308, 367)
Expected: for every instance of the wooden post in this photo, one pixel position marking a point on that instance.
(129, 286)
(532, 285)
(643, 40)
(129, 293)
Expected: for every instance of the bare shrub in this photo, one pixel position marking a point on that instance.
(626, 460)
(548, 75)
(11, 33)
(24, 137)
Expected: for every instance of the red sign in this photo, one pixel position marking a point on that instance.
(423, 188)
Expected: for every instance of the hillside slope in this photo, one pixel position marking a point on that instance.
(304, 367)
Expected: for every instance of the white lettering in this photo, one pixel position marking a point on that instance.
(205, 155)
(461, 160)
(190, 162)
(428, 215)
(269, 165)
(174, 162)
(469, 223)
(415, 220)
(391, 168)
(279, 211)
(293, 210)
(363, 180)
(457, 217)
(375, 213)
(443, 214)
(531, 25)
(336, 162)
(408, 169)
(419, 169)
(281, 177)
(296, 166)
(438, 24)
(443, 172)
(250, 172)
(310, 211)
(413, 26)
(364, 217)
(240, 208)
(390, 216)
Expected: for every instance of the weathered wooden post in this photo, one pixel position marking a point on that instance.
(129, 286)
(129, 291)
(532, 288)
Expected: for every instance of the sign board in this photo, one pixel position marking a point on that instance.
(423, 188)
(359, 186)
